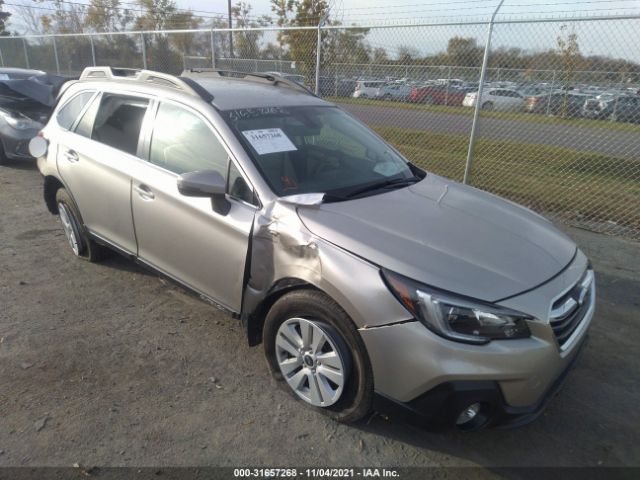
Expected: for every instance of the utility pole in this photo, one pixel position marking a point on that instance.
(230, 32)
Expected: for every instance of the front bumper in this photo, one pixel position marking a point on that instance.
(440, 407)
(423, 372)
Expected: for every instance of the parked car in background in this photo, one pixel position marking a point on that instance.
(345, 87)
(367, 88)
(336, 87)
(565, 104)
(437, 95)
(394, 91)
(626, 109)
(18, 73)
(498, 99)
(26, 98)
(294, 77)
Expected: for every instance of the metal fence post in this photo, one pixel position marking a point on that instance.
(213, 52)
(319, 52)
(446, 93)
(615, 103)
(553, 82)
(476, 113)
(55, 54)
(1, 59)
(93, 50)
(144, 51)
(26, 54)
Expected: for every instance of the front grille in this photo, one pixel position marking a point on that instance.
(569, 310)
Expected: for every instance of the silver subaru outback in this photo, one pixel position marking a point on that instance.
(371, 283)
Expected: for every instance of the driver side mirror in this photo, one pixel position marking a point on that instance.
(206, 183)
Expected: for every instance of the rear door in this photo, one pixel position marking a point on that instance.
(95, 159)
(182, 236)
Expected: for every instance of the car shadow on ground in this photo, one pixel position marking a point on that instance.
(122, 263)
(491, 449)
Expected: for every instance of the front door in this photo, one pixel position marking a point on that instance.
(182, 236)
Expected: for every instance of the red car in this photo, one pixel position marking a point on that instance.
(437, 95)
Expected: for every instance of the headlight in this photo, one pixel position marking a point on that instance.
(457, 318)
(20, 123)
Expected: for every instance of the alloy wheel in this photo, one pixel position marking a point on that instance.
(312, 361)
(69, 228)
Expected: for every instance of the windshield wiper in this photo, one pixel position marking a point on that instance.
(396, 182)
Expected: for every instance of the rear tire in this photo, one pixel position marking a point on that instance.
(355, 397)
(81, 244)
(488, 106)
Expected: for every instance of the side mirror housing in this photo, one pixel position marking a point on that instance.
(206, 183)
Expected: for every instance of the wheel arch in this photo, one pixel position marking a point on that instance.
(253, 320)
(51, 186)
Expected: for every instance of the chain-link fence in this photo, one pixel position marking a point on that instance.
(546, 112)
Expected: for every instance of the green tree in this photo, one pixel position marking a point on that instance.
(569, 51)
(464, 52)
(108, 16)
(4, 16)
(247, 44)
(379, 55)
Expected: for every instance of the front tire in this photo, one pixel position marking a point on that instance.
(487, 106)
(81, 244)
(315, 352)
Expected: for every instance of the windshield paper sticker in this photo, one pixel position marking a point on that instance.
(269, 140)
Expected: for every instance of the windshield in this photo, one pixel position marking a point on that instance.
(316, 150)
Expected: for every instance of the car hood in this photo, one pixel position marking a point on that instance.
(41, 88)
(447, 235)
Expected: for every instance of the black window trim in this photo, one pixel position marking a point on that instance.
(84, 108)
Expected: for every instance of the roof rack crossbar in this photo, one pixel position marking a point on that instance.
(253, 76)
(137, 75)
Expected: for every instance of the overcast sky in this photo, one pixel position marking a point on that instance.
(410, 10)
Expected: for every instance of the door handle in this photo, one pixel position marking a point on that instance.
(71, 156)
(144, 192)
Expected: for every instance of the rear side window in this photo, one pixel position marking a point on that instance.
(182, 142)
(68, 114)
(85, 126)
(119, 120)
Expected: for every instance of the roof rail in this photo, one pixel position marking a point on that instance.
(252, 76)
(141, 76)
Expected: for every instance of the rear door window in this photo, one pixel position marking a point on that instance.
(85, 126)
(119, 120)
(183, 142)
(69, 113)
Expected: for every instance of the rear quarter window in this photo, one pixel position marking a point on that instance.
(68, 114)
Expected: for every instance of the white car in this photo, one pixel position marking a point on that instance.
(394, 91)
(499, 99)
(367, 88)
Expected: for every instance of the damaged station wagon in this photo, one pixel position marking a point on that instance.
(371, 283)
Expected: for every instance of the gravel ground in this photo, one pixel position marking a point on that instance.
(106, 364)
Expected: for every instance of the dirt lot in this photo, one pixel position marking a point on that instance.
(105, 364)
